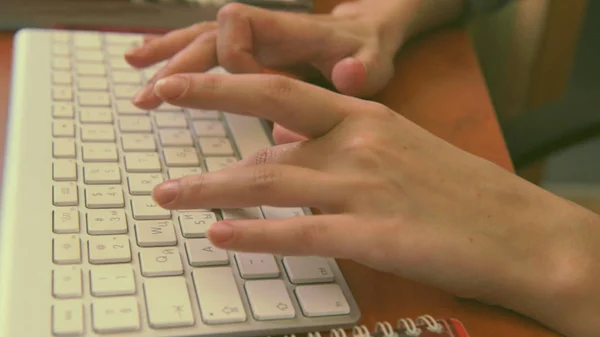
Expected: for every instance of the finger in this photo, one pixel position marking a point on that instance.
(199, 56)
(282, 135)
(234, 45)
(297, 106)
(338, 236)
(159, 48)
(363, 74)
(274, 185)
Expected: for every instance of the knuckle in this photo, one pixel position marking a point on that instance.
(207, 37)
(202, 27)
(191, 187)
(210, 82)
(264, 178)
(230, 11)
(309, 234)
(262, 157)
(278, 86)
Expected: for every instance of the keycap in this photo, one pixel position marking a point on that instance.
(143, 183)
(87, 40)
(66, 249)
(62, 93)
(181, 156)
(65, 220)
(126, 77)
(67, 282)
(61, 36)
(322, 300)
(307, 269)
(61, 77)
(67, 318)
(117, 314)
(168, 302)
(254, 265)
(218, 163)
(127, 91)
(92, 83)
(90, 69)
(125, 107)
(60, 49)
(155, 233)
(64, 170)
(63, 128)
(269, 300)
(61, 63)
(94, 98)
(209, 129)
(215, 146)
(119, 63)
(65, 194)
(95, 115)
(195, 224)
(160, 261)
(112, 280)
(242, 213)
(135, 124)
(203, 114)
(110, 221)
(97, 133)
(98, 152)
(176, 137)
(129, 40)
(170, 120)
(142, 162)
(89, 56)
(104, 196)
(138, 143)
(271, 212)
(248, 134)
(104, 249)
(117, 50)
(201, 252)
(102, 173)
(218, 295)
(63, 110)
(144, 208)
(178, 172)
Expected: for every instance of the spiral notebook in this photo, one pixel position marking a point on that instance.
(422, 326)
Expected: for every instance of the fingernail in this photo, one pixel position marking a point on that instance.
(220, 232)
(133, 51)
(171, 87)
(166, 192)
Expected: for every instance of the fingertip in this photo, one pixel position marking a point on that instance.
(166, 193)
(349, 76)
(221, 233)
(172, 87)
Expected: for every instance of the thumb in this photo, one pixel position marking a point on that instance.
(363, 74)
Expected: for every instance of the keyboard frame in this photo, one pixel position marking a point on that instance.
(26, 221)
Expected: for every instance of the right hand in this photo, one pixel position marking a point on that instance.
(348, 47)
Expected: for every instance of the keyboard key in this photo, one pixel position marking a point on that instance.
(65, 220)
(112, 280)
(64, 170)
(87, 40)
(61, 77)
(215, 146)
(135, 124)
(61, 36)
(307, 269)
(117, 314)
(125, 107)
(160, 261)
(105, 249)
(181, 156)
(66, 249)
(119, 63)
(67, 318)
(155, 234)
(248, 134)
(102, 173)
(97, 133)
(63, 128)
(94, 115)
(201, 252)
(117, 50)
(103, 222)
(98, 152)
(142, 162)
(271, 212)
(218, 295)
(61, 49)
(104, 196)
(144, 208)
(138, 142)
(65, 194)
(322, 300)
(168, 302)
(178, 172)
(126, 77)
(195, 224)
(253, 265)
(90, 69)
(170, 120)
(129, 40)
(63, 110)
(60, 93)
(92, 83)
(176, 137)
(217, 163)
(209, 129)
(61, 63)
(269, 300)
(126, 91)
(242, 213)
(94, 98)
(203, 114)
(143, 183)
(89, 56)
(66, 282)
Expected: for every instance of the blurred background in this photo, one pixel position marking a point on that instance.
(541, 60)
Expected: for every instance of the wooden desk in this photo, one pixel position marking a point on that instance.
(439, 86)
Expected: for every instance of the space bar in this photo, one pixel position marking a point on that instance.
(248, 134)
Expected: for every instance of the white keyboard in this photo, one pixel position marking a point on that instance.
(85, 251)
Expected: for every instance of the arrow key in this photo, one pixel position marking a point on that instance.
(269, 300)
